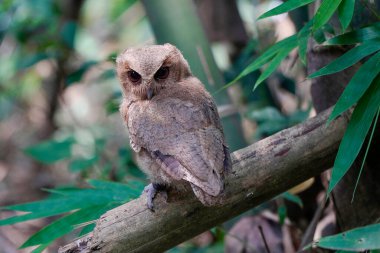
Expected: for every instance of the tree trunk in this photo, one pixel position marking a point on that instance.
(222, 22)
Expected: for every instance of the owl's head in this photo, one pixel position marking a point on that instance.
(145, 71)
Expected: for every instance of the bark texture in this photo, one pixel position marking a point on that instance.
(260, 172)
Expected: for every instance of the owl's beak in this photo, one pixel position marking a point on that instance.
(149, 93)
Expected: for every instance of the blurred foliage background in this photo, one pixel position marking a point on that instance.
(59, 100)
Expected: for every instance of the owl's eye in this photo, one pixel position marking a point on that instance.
(134, 76)
(162, 73)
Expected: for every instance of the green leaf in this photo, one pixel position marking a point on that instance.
(356, 132)
(266, 114)
(268, 55)
(65, 225)
(358, 84)
(131, 189)
(303, 38)
(102, 195)
(319, 36)
(269, 128)
(112, 105)
(324, 13)
(292, 198)
(346, 12)
(285, 7)
(87, 229)
(358, 239)
(356, 36)
(328, 28)
(107, 74)
(73, 198)
(51, 207)
(51, 151)
(113, 102)
(349, 58)
(77, 165)
(76, 76)
(68, 33)
(30, 60)
(282, 212)
(366, 153)
(273, 65)
(298, 116)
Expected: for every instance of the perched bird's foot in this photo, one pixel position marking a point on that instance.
(151, 191)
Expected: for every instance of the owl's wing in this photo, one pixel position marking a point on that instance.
(186, 140)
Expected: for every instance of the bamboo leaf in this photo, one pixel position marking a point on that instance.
(285, 7)
(268, 55)
(357, 36)
(67, 205)
(51, 151)
(356, 132)
(303, 38)
(68, 31)
(30, 60)
(292, 198)
(358, 84)
(346, 12)
(100, 194)
(366, 153)
(51, 207)
(324, 13)
(87, 229)
(358, 239)
(319, 36)
(272, 65)
(81, 164)
(72, 199)
(77, 75)
(130, 190)
(282, 213)
(65, 225)
(349, 58)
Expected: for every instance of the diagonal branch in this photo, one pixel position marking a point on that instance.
(260, 172)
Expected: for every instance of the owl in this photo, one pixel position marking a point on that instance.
(173, 123)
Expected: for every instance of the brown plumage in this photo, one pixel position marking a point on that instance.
(173, 123)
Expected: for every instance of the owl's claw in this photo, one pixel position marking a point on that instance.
(151, 191)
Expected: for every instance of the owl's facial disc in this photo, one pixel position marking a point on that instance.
(161, 74)
(147, 88)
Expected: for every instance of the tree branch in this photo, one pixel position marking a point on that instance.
(260, 172)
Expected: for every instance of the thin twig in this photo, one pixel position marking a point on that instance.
(310, 231)
(264, 240)
(368, 6)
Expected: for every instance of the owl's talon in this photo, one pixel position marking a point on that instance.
(151, 191)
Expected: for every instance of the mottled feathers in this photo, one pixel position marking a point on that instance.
(173, 122)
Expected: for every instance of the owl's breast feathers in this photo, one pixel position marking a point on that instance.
(184, 136)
